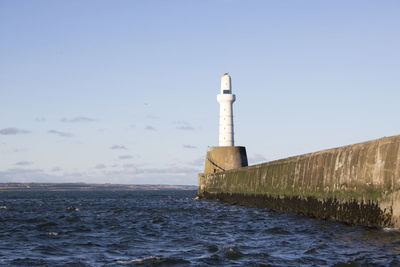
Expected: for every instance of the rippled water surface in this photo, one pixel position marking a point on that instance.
(170, 227)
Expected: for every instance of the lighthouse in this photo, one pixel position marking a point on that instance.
(226, 156)
(225, 99)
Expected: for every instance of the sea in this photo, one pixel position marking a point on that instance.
(173, 228)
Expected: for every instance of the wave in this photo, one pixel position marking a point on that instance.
(151, 260)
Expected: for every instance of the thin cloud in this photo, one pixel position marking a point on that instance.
(150, 128)
(125, 157)
(62, 134)
(100, 166)
(56, 169)
(199, 162)
(40, 119)
(185, 128)
(183, 125)
(138, 175)
(74, 175)
(77, 119)
(153, 117)
(169, 170)
(13, 131)
(189, 146)
(115, 147)
(129, 165)
(23, 163)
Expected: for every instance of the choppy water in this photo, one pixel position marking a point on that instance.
(170, 227)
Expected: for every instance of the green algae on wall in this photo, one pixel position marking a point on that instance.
(362, 176)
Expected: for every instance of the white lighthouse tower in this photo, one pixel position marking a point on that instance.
(225, 100)
(226, 156)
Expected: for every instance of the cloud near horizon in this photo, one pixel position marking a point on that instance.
(20, 175)
(150, 128)
(23, 163)
(62, 134)
(115, 147)
(77, 119)
(100, 166)
(129, 174)
(125, 157)
(189, 146)
(13, 131)
(129, 165)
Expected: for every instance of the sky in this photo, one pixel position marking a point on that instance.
(125, 91)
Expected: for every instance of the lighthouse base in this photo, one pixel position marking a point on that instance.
(224, 158)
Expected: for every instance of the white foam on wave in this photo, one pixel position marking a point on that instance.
(3, 207)
(72, 208)
(52, 233)
(138, 260)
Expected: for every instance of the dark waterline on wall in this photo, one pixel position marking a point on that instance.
(170, 227)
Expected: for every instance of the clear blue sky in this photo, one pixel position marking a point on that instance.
(125, 91)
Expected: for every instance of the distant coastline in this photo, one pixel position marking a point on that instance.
(87, 187)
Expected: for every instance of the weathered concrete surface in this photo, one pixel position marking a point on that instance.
(357, 184)
(223, 158)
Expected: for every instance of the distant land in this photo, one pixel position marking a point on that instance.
(87, 187)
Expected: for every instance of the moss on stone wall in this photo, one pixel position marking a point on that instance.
(367, 213)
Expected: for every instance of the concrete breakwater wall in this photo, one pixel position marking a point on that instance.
(357, 184)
